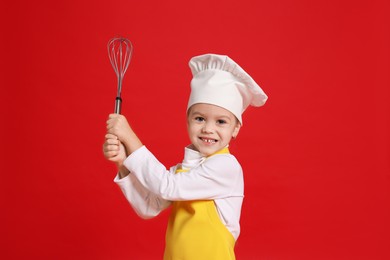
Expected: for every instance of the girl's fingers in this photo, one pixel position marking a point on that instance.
(110, 136)
(111, 153)
(114, 159)
(112, 142)
(113, 116)
(110, 148)
(111, 119)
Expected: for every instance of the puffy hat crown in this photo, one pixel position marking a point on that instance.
(220, 81)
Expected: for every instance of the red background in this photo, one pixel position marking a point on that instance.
(316, 157)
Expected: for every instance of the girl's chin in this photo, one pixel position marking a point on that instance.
(208, 152)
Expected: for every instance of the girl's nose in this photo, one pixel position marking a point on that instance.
(207, 128)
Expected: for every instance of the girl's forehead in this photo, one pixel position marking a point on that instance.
(209, 109)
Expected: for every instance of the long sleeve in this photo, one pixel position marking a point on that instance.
(144, 203)
(219, 176)
(150, 186)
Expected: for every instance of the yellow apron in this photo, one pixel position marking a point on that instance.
(195, 231)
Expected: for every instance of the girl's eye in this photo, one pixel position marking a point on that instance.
(221, 122)
(199, 119)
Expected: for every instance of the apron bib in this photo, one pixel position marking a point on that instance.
(196, 232)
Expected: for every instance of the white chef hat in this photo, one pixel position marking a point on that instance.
(218, 80)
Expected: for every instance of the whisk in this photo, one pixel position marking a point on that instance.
(120, 51)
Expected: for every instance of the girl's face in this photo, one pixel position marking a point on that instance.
(211, 128)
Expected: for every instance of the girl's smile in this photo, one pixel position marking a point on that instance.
(211, 127)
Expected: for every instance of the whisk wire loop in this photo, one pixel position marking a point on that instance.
(120, 52)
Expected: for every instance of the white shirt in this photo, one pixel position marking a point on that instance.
(150, 187)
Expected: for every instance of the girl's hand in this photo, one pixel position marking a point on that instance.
(118, 126)
(114, 150)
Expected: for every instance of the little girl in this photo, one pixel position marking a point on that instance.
(206, 190)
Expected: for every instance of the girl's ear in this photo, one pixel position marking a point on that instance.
(236, 130)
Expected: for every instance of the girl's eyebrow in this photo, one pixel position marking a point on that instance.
(197, 113)
(223, 116)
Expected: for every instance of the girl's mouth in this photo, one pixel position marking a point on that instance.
(208, 140)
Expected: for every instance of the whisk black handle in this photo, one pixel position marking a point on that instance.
(118, 105)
